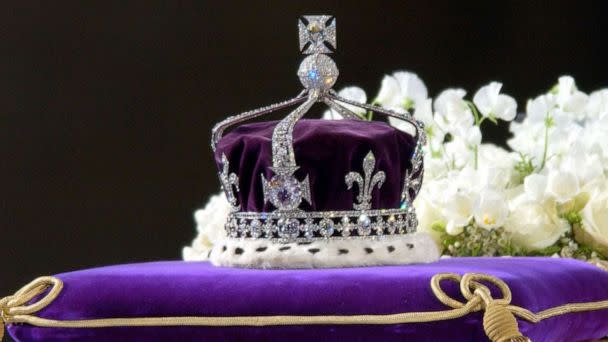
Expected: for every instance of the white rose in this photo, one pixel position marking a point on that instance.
(492, 104)
(491, 209)
(535, 225)
(595, 215)
(350, 93)
(210, 225)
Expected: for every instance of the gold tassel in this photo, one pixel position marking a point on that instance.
(500, 325)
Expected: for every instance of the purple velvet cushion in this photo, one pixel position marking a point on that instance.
(325, 150)
(199, 289)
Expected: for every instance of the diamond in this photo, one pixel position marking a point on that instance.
(284, 192)
(289, 228)
(326, 227)
(309, 229)
(318, 72)
(412, 222)
(268, 228)
(391, 224)
(365, 225)
(379, 226)
(315, 31)
(255, 228)
(346, 226)
(400, 224)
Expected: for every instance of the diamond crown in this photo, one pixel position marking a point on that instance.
(288, 222)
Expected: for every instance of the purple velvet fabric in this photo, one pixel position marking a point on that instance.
(198, 289)
(325, 150)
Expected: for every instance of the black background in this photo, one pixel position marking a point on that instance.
(106, 107)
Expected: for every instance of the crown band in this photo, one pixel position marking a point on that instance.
(305, 226)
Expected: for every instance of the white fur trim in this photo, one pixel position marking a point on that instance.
(388, 250)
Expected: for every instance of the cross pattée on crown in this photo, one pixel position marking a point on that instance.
(316, 32)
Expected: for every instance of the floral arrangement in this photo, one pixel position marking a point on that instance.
(547, 194)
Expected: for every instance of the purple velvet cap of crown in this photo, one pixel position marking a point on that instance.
(325, 150)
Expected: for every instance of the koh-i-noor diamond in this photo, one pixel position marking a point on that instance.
(289, 228)
(285, 192)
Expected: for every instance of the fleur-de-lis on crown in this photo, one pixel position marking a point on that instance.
(366, 186)
(230, 183)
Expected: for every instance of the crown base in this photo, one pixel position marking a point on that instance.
(302, 226)
(347, 252)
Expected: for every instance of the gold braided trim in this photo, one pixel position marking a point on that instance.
(499, 320)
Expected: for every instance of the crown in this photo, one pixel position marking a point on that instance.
(299, 180)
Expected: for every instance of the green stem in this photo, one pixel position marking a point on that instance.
(478, 121)
(548, 124)
(476, 156)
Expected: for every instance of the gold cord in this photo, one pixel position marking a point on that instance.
(499, 320)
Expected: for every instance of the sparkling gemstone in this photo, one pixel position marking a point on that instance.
(285, 192)
(255, 228)
(268, 229)
(289, 228)
(400, 224)
(232, 228)
(412, 223)
(309, 229)
(346, 226)
(379, 226)
(318, 71)
(365, 225)
(391, 224)
(326, 227)
(313, 75)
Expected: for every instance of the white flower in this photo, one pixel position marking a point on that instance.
(210, 225)
(428, 214)
(595, 215)
(451, 111)
(569, 98)
(412, 90)
(403, 90)
(597, 106)
(471, 135)
(491, 209)
(492, 104)
(535, 186)
(458, 211)
(424, 113)
(350, 93)
(562, 185)
(389, 92)
(535, 225)
(457, 154)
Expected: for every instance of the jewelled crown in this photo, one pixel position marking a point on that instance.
(298, 180)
